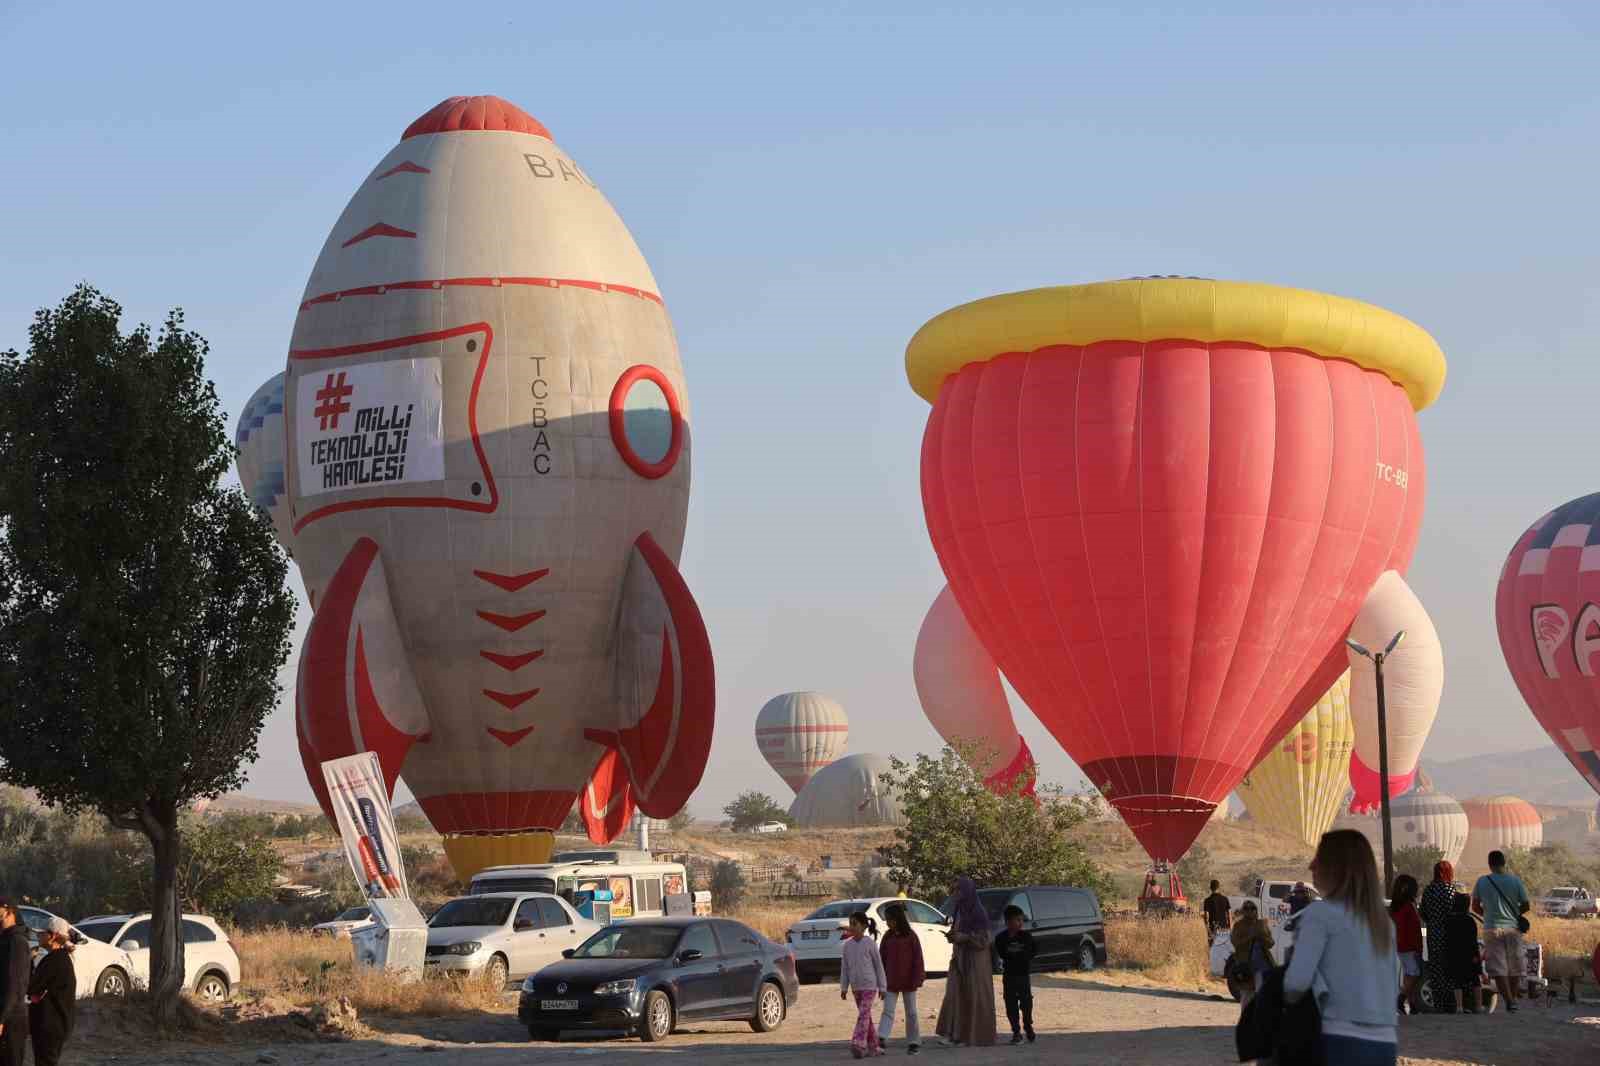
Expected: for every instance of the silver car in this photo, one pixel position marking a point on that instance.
(503, 936)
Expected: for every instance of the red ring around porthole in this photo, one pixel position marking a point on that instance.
(619, 423)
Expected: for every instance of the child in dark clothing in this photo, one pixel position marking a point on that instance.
(1016, 950)
(1463, 962)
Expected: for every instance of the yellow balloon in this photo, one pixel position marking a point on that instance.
(1301, 784)
(469, 854)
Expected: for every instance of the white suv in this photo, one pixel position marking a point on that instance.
(102, 969)
(210, 965)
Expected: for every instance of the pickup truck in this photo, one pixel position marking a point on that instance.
(1569, 901)
(1272, 903)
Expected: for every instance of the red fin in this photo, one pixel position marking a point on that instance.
(606, 802)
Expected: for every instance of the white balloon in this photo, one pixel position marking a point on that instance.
(959, 686)
(1413, 679)
(847, 793)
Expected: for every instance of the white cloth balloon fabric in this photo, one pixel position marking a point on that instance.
(1413, 679)
(848, 792)
(799, 733)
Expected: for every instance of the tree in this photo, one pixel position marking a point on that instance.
(143, 611)
(955, 825)
(1194, 870)
(218, 870)
(680, 821)
(1416, 860)
(867, 882)
(727, 886)
(1549, 866)
(755, 808)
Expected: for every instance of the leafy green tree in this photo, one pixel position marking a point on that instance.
(680, 821)
(727, 886)
(955, 825)
(218, 870)
(1551, 865)
(1194, 870)
(755, 808)
(868, 882)
(1416, 860)
(143, 611)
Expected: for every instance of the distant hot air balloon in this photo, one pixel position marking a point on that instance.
(1423, 820)
(1298, 786)
(846, 793)
(486, 431)
(1500, 823)
(1413, 678)
(1160, 503)
(959, 686)
(1547, 609)
(260, 442)
(799, 733)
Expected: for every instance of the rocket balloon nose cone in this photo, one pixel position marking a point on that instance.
(483, 114)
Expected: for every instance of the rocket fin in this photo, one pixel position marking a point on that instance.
(606, 802)
(355, 691)
(664, 687)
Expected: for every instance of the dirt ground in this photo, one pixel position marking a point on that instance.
(1097, 1018)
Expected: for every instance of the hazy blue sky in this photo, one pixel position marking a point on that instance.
(810, 188)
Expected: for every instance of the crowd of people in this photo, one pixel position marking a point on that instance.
(37, 1003)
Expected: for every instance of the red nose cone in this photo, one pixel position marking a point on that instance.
(476, 113)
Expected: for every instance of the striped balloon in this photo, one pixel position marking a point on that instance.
(261, 455)
(1500, 823)
(1299, 785)
(1416, 820)
(799, 733)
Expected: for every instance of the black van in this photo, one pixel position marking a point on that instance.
(1068, 929)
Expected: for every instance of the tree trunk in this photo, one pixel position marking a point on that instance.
(166, 926)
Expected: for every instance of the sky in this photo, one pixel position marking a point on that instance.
(810, 187)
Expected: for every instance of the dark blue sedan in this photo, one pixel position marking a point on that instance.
(647, 976)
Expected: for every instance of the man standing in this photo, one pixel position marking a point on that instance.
(1219, 913)
(1501, 900)
(16, 966)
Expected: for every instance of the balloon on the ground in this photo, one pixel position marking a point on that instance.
(846, 793)
(1500, 823)
(488, 448)
(799, 733)
(1298, 787)
(959, 687)
(1413, 679)
(1160, 503)
(1416, 820)
(1547, 610)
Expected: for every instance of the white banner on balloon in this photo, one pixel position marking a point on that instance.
(370, 425)
(366, 824)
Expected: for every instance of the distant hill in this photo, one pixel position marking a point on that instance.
(239, 803)
(1539, 775)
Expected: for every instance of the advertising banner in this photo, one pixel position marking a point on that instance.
(366, 825)
(370, 425)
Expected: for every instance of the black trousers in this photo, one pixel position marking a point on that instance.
(14, 1042)
(47, 1048)
(1018, 992)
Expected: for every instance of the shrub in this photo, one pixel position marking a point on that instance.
(868, 882)
(727, 886)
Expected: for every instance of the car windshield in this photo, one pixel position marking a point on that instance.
(841, 908)
(474, 910)
(630, 942)
(101, 931)
(1563, 893)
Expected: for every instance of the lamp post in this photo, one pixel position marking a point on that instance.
(1383, 752)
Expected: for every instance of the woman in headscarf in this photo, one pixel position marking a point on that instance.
(967, 1015)
(1436, 903)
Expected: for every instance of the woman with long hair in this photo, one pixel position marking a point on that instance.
(967, 1014)
(1407, 940)
(1436, 907)
(1344, 943)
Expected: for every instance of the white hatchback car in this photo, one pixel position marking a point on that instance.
(503, 936)
(345, 924)
(816, 939)
(210, 965)
(102, 970)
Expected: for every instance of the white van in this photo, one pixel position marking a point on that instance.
(601, 885)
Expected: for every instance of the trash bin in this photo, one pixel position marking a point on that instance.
(397, 941)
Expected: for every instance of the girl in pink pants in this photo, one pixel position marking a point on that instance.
(861, 970)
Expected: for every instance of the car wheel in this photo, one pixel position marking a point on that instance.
(539, 1032)
(1086, 955)
(770, 1008)
(497, 972)
(113, 983)
(657, 1021)
(211, 989)
(1425, 996)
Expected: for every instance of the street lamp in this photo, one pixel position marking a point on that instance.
(1383, 752)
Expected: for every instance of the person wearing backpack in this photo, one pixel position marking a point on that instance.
(1501, 900)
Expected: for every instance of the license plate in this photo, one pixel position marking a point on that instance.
(816, 934)
(558, 1004)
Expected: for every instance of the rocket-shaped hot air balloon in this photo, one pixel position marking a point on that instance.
(486, 435)
(1160, 503)
(959, 686)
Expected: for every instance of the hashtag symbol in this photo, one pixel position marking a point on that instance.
(332, 402)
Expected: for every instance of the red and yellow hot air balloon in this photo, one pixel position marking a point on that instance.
(1160, 504)
(1547, 610)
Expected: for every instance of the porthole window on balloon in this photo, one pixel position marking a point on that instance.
(646, 426)
(648, 420)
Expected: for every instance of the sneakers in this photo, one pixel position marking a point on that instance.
(1511, 1007)
(913, 1049)
(1030, 1038)
(1016, 1038)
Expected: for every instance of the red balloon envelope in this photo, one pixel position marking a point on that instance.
(1547, 609)
(1160, 503)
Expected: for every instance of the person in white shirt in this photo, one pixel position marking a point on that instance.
(861, 969)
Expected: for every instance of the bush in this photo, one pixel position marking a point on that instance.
(1194, 870)
(727, 886)
(868, 882)
(1417, 860)
(755, 808)
(1550, 865)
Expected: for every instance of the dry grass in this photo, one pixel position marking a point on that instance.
(772, 920)
(1565, 936)
(299, 970)
(1170, 951)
